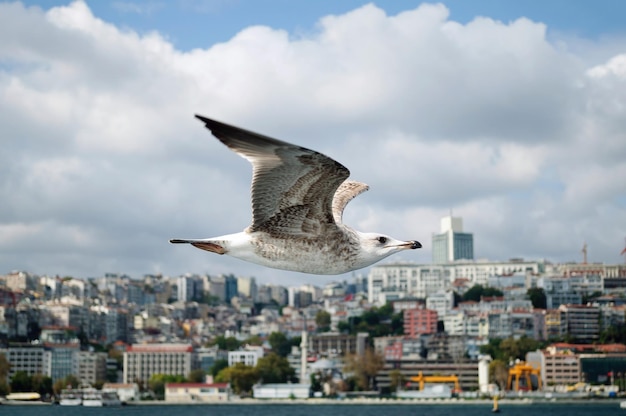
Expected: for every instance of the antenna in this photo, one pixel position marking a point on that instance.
(584, 251)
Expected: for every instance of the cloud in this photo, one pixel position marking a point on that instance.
(103, 162)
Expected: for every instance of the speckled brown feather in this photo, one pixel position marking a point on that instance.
(293, 188)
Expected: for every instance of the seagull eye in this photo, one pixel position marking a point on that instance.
(382, 240)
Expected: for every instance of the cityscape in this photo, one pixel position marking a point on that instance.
(472, 327)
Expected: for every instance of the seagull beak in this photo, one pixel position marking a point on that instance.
(412, 245)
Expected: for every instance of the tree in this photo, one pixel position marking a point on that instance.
(253, 340)
(226, 343)
(240, 376)
(197, 376)
(476, 292)
(21, 382)
(275, 369)
(499, 373)
(63, 383)
(280, 344)
(397, 379)
(365, 368)
(537, 297)
(42, 385)
(218, 366)
(5, 366)
(322, 320)
(157, 383)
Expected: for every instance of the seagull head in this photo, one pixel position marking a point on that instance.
(375, 246)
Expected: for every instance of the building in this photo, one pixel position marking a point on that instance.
(92, 367)
(583, 322)
(126, 392)
(333, 344)
(442, 302)
(393, 281)
(452, 243)
(196, 392)
(420, 321)
(25, 357)
(465, 370)
(141, 361)
(281, 391)
(249, 356)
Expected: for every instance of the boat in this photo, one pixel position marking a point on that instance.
(24, 397)
(71, 397)
(98, 398)
(495, 408)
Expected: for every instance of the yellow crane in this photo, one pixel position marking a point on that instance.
(525, 372)
(421, 379)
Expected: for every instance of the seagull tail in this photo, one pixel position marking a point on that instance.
(201, 244)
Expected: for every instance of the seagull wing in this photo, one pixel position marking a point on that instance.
(292, 187)
(346, 192)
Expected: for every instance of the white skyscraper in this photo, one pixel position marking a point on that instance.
(452, 243)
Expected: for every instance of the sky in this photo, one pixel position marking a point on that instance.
(511, 115)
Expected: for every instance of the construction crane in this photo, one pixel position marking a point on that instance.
(525, 372)
(421, 379)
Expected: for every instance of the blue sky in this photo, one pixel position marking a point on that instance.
(509, 113)
(197, 23)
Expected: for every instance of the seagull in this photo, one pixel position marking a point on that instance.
(298, 199)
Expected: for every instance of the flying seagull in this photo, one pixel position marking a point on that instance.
(298, 198)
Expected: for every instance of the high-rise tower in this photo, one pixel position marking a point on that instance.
(452, 243)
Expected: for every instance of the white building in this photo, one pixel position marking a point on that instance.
(442, 302)
(423, 280)
(196, 392)
(248, 356)
(141, 361)
(281, 391)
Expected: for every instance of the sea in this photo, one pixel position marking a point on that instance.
(604, 408)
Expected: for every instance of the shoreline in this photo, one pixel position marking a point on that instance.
(525, 401)
(383, 402)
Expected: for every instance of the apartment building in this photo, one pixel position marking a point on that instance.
(141, 361)
(25, 357)
(420, 321)
(583, 322)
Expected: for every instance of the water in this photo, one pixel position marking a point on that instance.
(580, 409)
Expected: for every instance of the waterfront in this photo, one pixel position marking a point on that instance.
(519, 408)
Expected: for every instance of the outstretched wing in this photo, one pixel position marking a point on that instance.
(346, 192)
(292, 187)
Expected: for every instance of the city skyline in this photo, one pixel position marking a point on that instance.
(507, 114)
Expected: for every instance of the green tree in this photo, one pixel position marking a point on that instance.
(5, 366)
(377, 322)
(322, 320)
(614, 334)
(397, 379)
(280, 344)
(21, 382)
(537, 297)
(218, 366)
(226, 343)
(197, 376)
(70, 381)
(253, 340)
(240, 376)
(42, 385)
(275, 369)
(476, 292)
(157, 383)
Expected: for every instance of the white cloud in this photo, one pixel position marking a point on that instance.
(103, 162)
